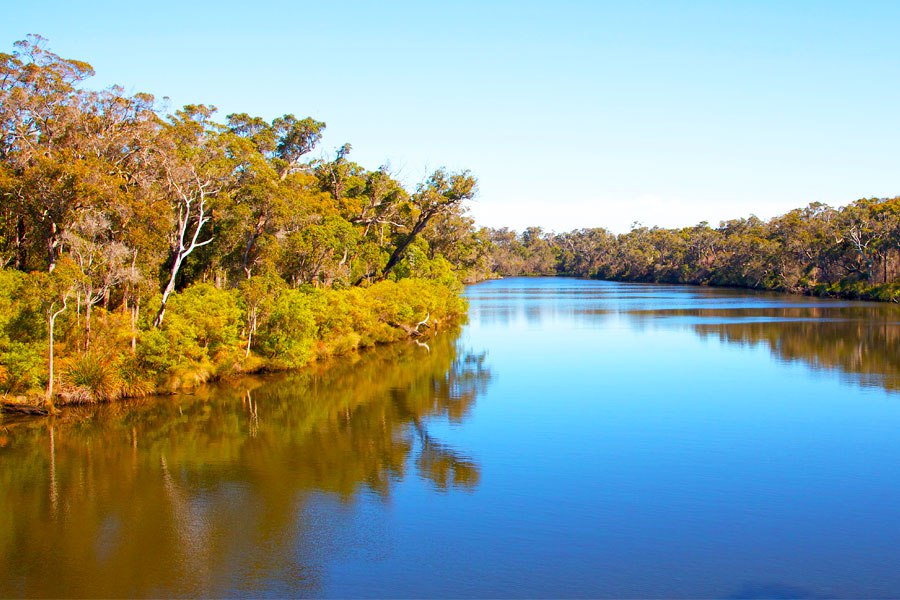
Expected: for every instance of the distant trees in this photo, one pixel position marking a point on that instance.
(851, 251)
(531, 253)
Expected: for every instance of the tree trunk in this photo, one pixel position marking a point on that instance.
(397, 254)
(251, 331)
(53, 317)
(53, 243)
(170, 287)
(87, 324)
(181, 251)
(135, 311)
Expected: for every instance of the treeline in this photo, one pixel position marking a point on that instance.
(852, 252)
(145, 250)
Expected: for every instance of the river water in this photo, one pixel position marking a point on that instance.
(574, 439)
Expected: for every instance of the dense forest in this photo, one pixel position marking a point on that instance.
(852, 252)
(145, 250)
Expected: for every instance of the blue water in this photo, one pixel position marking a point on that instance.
(577, 439)
(624, 453)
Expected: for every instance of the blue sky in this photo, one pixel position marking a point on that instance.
(571, 114)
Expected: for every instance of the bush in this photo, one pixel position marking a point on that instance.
(90, 377)
(134, 383)
(22, 367)
(22, 335)
(288, 336)
(214, 315)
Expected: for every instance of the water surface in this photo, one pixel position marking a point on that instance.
(577, 438)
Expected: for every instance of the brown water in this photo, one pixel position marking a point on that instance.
(227, 491)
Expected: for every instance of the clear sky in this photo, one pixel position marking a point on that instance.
(571, 114)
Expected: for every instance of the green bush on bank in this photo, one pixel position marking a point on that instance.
(859, 290)
(22, 359)
(287, 339)
(207, 333)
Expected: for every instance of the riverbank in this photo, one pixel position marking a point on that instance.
(889, 292)
(210, 334)
(147, 250)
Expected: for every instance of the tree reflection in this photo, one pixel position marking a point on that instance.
(864, 350)
(222, 492)
(859, 340)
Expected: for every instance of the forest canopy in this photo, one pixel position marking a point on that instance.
(146, 250)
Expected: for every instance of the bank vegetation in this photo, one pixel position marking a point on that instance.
(145, 250)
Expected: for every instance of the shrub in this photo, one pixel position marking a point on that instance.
(289, 334)
(213, 314)
(23, 367)
(134, 383)
(90, 377)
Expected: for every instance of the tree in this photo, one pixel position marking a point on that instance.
(55, 289)
(340, 176)
(295, 138)
(382, 198)
(101, 260)
(38, 113)
(440, 193)
(193, 172)
(317, 252)
(872, 228)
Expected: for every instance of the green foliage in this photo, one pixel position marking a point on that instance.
(165, 249)
(22, 368)
(212, 315)
(289, 334)
(22, 332)
(200, 333)
(158, 353)
(134, 383)
(409, 301)
(335, 326)
(417, 264)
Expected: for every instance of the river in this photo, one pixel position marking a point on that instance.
(574, 439)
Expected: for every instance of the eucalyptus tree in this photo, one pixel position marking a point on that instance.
(441, 193)
(453, 236)
(379, 204)
(103, 262)
(38, 112)
(55, 290)
(341, 177)
(194, 174)
(63, 149)
(295, 138)
(317, 253)
(872, 230)
(272, 186)
(584, 252)
(746, 256)
(259, 204)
